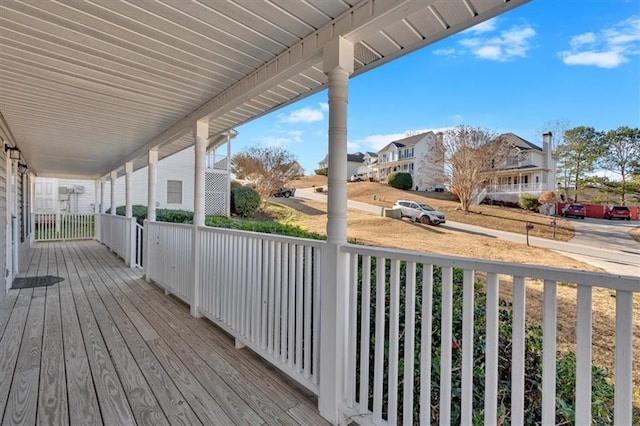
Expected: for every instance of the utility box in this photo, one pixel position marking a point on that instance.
(392, 213)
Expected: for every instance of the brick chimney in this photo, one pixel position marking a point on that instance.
(548, 178)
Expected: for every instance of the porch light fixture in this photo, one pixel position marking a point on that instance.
(22, 168)
(14, 153)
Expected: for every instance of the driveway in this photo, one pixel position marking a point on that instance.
(604, 244)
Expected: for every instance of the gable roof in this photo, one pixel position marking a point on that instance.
(409, 141)
(519, 142)
(357, 157)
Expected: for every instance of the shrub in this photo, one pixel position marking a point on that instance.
(602, 406)
(246, 201)
(400, 180)
(529, 202)
(264, 227)
(322, 171)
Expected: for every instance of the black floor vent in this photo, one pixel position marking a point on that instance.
(31, 282)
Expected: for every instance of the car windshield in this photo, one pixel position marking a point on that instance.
(426, 207)
(620, 208)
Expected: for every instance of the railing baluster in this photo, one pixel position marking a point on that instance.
(349, 376)
(517, 370)
(277, 300)
(549, 353)
(491, 352)
(378, 367)
(445, 343)
(467, 346)
(284, 332)
(583, 356)
(303, 286)
(409, 343)
(394, 325)
(293, 307)
(316, 314)
(426, 343)
(308, 295)
(363, 399)
(624, 358)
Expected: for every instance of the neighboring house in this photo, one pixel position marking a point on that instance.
(408, 155)
(369, 167)
(175, 184)
(294, 170)
(529, 170)
(353, 162)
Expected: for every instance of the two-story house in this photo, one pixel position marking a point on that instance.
(369, 167)
(530, 169)
(409, 155)
(354, 161)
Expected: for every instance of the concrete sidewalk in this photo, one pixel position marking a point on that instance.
(620, 262)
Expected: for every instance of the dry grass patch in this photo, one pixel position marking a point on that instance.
(494, 217)
(635, 233)
(307, 181)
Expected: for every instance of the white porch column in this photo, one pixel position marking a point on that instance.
(152, 184)
(128, 169)
(8, 222)
(129, 229)
(97, 185)
(337, 64)
(114, 177)
(201, 134)
(102, 205)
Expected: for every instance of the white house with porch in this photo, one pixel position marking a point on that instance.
(407, 155)
(530, 169)
(98, 90)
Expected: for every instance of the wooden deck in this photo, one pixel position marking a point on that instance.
(105, 347)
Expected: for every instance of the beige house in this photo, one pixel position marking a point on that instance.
(530, 169)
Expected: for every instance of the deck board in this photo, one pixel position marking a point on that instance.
(105, 347)
(52, 403)
(82, 401)
(10, 344)
(22, 403)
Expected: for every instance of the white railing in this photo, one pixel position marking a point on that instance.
(64, 226)
(517, 188)
(264, 290)
(409, 281)
(138, 247)
(119, 238)
(105, 229)
(168, 257)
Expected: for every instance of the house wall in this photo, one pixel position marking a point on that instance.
(3, 215)
(179, 166)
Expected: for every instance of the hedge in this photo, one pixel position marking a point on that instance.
(400, 180)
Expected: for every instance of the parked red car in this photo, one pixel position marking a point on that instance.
(617, 212)
(574, 210)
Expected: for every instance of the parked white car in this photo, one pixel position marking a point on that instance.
(420, 212)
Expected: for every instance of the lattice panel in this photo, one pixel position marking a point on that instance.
(216, 188)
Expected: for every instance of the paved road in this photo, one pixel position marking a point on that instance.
(605, 244)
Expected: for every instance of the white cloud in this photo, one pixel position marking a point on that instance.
(324, 106)
(444, 52)
(507, 45)
(457, 118)
(275, 142)
(302, 115)
(483, 27)
(608, 48)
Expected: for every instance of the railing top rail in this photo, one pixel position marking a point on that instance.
(272, 237)
(170, 224)
(593, 279)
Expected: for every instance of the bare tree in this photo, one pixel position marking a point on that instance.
(265, 168)
(472, 158)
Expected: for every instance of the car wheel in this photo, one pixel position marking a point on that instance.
(582, 217)
(425, 220)
(287, 194)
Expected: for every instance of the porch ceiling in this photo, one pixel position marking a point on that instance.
(86, 86)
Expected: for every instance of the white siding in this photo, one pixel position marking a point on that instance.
(78, 202)
(179, 166)
(3, 215)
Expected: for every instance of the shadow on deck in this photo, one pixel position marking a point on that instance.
(104, 346)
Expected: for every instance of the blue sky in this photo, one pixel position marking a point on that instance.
(572, 60)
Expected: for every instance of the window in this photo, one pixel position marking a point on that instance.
(174, 192)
